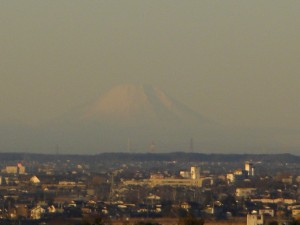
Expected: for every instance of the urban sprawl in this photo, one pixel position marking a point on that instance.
(124, 189)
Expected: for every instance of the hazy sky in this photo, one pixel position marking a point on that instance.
(236, 62)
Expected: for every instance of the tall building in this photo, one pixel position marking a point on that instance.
(21, 169)
(195, 172)
(249, 168)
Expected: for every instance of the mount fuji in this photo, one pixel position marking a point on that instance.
(141, 104)
(135, 118)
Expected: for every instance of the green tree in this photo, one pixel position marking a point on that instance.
(146, 223)
(273, 222)
(294, 222)
(96, 221)
(190, 220)
(85, 223)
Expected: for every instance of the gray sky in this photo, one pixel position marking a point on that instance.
(236, 62)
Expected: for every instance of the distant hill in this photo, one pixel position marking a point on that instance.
(199, 157)
(174, 156)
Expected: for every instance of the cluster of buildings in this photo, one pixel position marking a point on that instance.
(68, 188)
(190, 178)
(253, 195)
(241, 174)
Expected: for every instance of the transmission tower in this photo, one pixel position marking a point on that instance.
(191, 145)
(129, 147)
(111, 191)
(152, 147)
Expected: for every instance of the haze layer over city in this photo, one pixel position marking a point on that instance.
(86, 77)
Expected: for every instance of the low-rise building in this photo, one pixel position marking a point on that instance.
(245, 192)
(255, 219)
